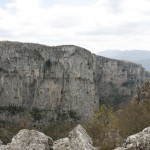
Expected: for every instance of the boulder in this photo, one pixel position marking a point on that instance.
(29, 140)
(62, 144)
(138, 141)
(1, 143)
(78, 139)
(120, 148)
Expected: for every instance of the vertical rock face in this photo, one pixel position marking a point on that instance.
(53, 78)
(66, 80)
(116, 81)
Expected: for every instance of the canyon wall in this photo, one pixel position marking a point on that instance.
(65, 80)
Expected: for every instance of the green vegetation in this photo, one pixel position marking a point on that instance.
(47, 67)
(59, 130)
(12, 109)
(36, 114)
(65, 115)
(5, 135)
(101, 124)
(90, 64)
(3, 70)
(48, 64)
(108, 127)
(11, 128)
(73, 115)
(82, 78)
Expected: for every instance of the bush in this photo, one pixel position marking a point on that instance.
(12, 109)
(36, 114)
(101, 124)
(11, 129)
(109, 127)
(133, 118)
(48, 64)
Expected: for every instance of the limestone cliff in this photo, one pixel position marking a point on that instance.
(116, 81)
(64, 80)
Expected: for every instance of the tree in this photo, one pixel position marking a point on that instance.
(102, 123)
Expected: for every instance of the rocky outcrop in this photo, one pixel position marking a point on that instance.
(116, 81)
(78, 139)
(64, 81)
(62, 144)
(139, 141)
(29, 139)
(143, 93)
(57, 79)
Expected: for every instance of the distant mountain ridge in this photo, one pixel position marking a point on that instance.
(138, 56)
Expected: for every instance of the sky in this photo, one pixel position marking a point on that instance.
(96, 25)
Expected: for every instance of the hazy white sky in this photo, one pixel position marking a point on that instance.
(93, 24)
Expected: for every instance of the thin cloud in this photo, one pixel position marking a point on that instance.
(6, 33)
(93, 24)
(124, 29)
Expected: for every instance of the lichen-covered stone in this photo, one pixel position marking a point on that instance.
(29, 140)
(78, 139)
(138, 141)
(1, 143)
(62, 144)
(120, 148)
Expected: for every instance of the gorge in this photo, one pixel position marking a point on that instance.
(64, 81)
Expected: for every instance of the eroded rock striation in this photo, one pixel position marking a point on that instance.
(66, 81)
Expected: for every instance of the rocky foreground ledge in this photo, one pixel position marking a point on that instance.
(78, 139)
(138, 141)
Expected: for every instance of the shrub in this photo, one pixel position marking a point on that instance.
(36, 114)
(12, 109)
(133, 118)
(48, 63)
(102, 123)
(130, 119)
